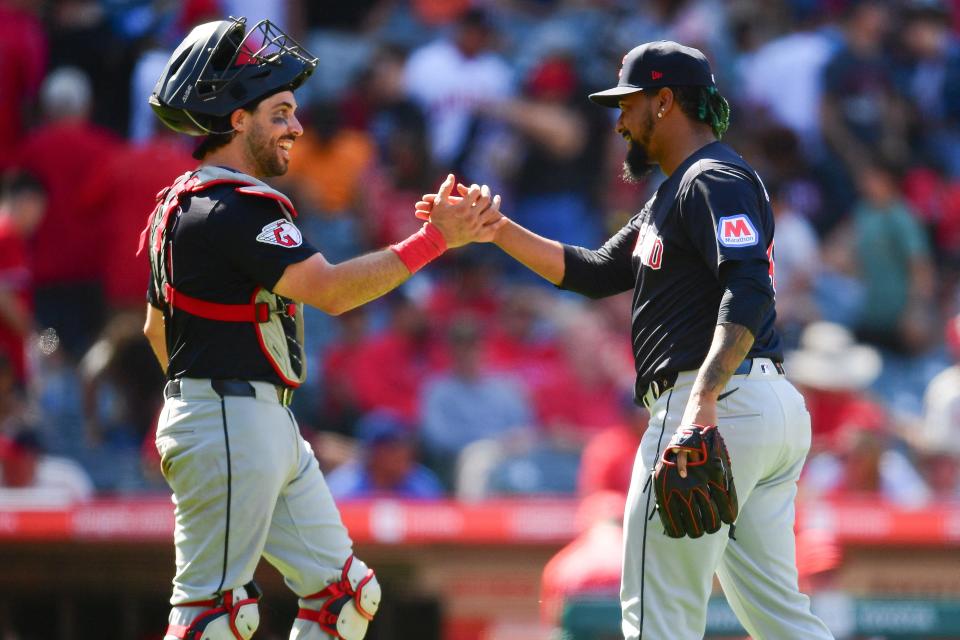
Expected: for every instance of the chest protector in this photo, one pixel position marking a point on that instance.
(277, 321)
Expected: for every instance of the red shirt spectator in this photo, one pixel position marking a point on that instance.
(469, 291)
(14, 282)
(70, 242)
(23, 60)
(124, 189)
(390, 368)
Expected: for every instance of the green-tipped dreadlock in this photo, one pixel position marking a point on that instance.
(715, 110)
(706, 105)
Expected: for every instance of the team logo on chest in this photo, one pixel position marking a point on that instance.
(649, 248)
(736, 231)
(281, 233)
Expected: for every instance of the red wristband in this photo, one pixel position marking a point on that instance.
(425, 245)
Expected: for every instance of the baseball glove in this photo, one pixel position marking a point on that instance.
(706, 497)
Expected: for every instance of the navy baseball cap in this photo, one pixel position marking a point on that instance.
(657, 64)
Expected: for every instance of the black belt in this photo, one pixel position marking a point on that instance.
(236, 388)
(664, 382)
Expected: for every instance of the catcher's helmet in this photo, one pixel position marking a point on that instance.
(220, 67)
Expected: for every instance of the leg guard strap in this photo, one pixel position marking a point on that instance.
(232, 616)
(348, 604)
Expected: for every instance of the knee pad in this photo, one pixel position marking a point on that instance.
(348, 605)
(232, 616)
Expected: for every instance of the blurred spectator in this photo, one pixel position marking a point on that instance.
(467, 404)
(936, 200)
(379, 105)
(469, 288)
(330, 163)
(938, 438)
(607, 463)
(522, 342)
(70, 243)
(853, 449)
(121, 384)
(833, 373)
(82, 37)
(340, 404)
(124, 189)
(31, 478)
(22, 201)
(928, 74)
(450, 77)
(387, 465)
(862, 118)
(787, 172)
(390, 368)
(583, 395)
(865, 460)
(894, 266)
(23, 61)
(796, 265)
(561, 137)
(390, 187)
(591, 564)
(782, 82)
(338, 34)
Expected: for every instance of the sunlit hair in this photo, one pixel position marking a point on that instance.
(704, 104)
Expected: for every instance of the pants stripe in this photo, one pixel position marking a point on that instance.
(646, 511)
(226, 533)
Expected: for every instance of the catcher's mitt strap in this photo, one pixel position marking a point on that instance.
(697, 444)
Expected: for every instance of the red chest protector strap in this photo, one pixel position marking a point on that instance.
(254, 312)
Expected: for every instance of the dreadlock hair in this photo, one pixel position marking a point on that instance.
(704, 104)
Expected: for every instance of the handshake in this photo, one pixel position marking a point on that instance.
(473, 215)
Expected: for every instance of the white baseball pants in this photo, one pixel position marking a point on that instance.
(245, 485)
(667, 581)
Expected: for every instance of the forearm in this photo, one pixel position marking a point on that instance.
(731, 344)
(338, 288)
(541, 255)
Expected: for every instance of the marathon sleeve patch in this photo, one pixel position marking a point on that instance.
(281, 233)
(737, 231)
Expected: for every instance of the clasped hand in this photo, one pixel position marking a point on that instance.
(473, 216)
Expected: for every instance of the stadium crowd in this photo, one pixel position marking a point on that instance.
(475, 379)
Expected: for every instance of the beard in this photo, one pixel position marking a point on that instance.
(637, 165)
(264, 153)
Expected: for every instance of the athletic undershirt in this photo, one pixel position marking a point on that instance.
(699, 253)
(224, 247)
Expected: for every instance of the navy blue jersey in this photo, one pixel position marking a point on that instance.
(225, 245)
(700, 253)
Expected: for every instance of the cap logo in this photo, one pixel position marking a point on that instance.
(622, 62)
(656, 75)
